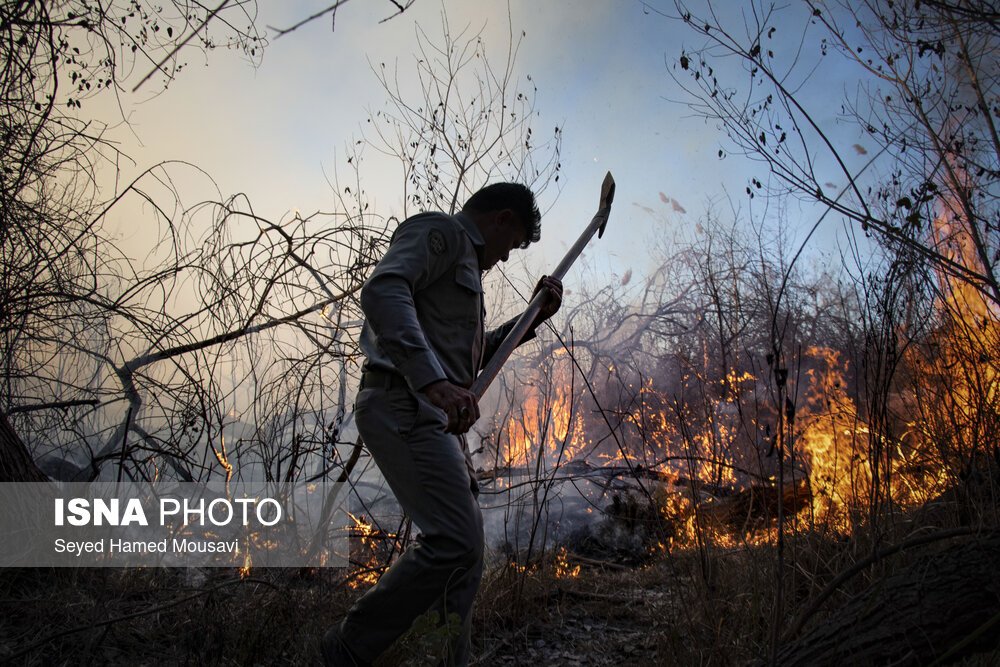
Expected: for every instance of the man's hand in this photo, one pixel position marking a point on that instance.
(552, 300)
(457, 402)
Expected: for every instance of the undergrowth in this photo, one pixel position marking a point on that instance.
(686, 606)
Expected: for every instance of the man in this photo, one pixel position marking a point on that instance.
(425, 342)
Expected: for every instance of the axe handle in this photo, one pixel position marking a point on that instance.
(516, 335)
(513, 339)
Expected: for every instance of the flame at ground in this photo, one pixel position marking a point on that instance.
(705, 447)
(563, 567)
(832, 439)
(366, 552)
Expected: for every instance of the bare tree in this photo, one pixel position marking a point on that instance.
(460, 119)
(918, 81)
(113, 359)
(923, 75)
(59, 266)
(912, 162)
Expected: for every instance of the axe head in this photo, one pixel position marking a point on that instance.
(607, 195)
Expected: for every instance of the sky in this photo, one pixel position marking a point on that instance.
(277, 130)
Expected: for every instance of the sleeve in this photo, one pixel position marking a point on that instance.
(421, 251)
(496, 336)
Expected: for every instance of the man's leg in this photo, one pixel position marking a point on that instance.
(461, 646)
(426, 470)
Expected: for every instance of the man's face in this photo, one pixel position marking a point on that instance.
(502, 234)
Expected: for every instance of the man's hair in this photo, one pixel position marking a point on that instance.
(516, 197)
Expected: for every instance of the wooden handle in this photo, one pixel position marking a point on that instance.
(516, 335)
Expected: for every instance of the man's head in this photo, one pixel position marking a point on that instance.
(507, 217)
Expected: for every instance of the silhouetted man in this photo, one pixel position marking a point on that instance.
(425, 341)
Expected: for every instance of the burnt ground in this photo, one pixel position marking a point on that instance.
(586, 628)
(685, 608)
(598, 615)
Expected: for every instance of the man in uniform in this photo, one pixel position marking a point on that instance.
(425, 342)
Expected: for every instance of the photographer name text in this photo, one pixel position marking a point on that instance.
(112, 546)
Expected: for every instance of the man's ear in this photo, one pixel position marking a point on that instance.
(504, 217)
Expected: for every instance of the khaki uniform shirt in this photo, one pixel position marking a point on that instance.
(423, 304)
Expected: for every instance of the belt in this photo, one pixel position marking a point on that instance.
(371, 379)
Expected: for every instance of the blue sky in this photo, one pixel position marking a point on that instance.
(277, 131)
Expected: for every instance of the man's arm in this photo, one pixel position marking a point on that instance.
(387, 302)
(553, 300)
(418, 255)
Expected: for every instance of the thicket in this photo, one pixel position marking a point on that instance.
(704, 461)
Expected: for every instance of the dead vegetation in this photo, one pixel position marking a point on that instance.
(689, 605)
(777, 460)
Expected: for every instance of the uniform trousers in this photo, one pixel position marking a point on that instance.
(428, 473)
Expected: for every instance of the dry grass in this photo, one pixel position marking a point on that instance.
(166, 617)
(708, 606)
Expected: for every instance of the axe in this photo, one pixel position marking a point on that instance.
(513, 339)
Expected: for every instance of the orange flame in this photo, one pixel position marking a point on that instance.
(371, 568)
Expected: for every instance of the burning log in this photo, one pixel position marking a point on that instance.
(757, 503)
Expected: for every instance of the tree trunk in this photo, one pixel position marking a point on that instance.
(16, 464)
(946, 605)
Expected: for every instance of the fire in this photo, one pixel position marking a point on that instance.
(703, 437)
(564, 570)
(705, 451)
(361, 526)
(245, 570)
(832, 438)
(365, 532)
(956, 366)
(545, 421)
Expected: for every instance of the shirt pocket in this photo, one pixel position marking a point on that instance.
(463, 309)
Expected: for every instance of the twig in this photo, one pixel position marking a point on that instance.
(173, 51)
(107, 622)
(399, 6)
(280, 32)
(332, 8)
(55, 405)
(596, 563)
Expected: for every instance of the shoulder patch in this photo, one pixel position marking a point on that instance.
(436, 242)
